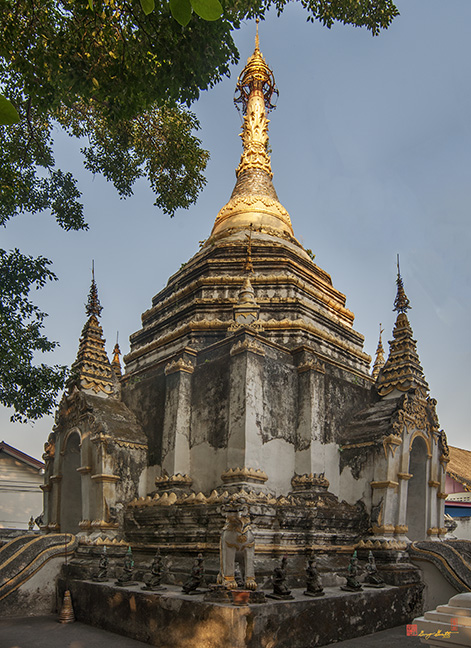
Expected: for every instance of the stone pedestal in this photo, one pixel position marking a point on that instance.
(171, 619)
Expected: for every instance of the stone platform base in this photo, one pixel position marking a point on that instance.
(171, 619)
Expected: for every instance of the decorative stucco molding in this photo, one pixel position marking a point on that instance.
(384, 484)
(312, 365)
(247, 345)
(84, 470)
(391, 444)
(244, 474)
(309, 480)
(169, 481)
(104, 477)
(179, 365)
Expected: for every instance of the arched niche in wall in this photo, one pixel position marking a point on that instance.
(71, 484)
(417, 503)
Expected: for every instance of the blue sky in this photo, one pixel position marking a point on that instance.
(371, 153)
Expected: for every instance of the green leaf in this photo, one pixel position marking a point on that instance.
(90, 4)
(181, 11)
(8, 114)
(148, 6)
(207, 9)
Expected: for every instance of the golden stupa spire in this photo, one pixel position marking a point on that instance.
(254, 92)
(91, 370)
(402, 370)
(254, 200)
(379, 359)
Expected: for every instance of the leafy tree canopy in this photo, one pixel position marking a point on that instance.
(30, 390)
(107, 71)
(121, 74)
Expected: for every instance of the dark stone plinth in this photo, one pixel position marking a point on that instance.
(219, 594)
(174, 620)
(281, 597)
(314, 594)
(195, 592)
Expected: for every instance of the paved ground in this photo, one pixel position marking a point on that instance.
(46, 632)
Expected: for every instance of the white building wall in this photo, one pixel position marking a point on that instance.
(463, 529)
(20, 493)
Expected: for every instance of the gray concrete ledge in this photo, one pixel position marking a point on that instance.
(46, 632)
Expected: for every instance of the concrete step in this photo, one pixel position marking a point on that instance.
(453, 611)
(448, 618)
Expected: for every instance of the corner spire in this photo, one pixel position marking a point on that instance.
(254, 198)
(379, 360)
(91, 370)
(115, 363)
(402, 370)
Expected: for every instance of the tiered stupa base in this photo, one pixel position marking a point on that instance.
(184, 525)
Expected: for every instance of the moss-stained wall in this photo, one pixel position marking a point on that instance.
(343, 398)
(210, 402)
(144, 394)
(280, 400)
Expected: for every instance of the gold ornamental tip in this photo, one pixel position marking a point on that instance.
(379, 360)
(401, 303)
(93, 306)
(115, 363)
(256, 75)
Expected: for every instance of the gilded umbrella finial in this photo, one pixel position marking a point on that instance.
(255, 92)
(93, 306)
(401, 303)
(256, 76)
